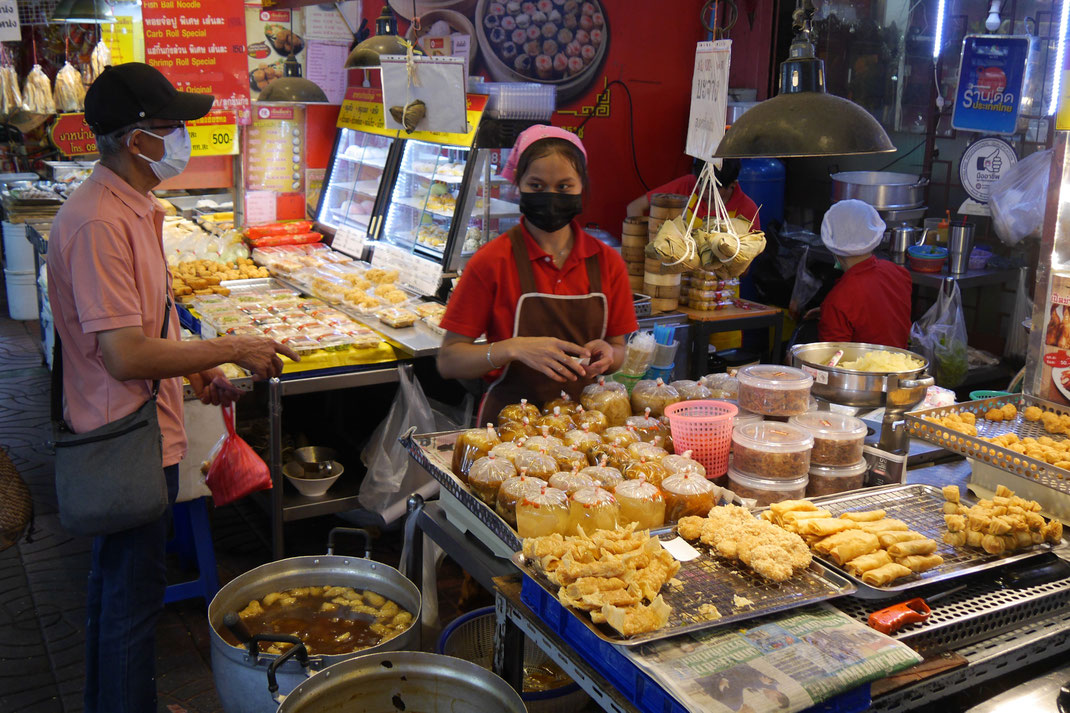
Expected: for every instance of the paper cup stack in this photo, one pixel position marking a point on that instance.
(633, 242)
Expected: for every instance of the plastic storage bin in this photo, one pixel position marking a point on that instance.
(771, 450)
(827, 480)
(21, 293)
(773, 390)
(705, 429)
(838, 438)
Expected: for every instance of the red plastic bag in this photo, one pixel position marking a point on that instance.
(290, 227)
(287, 239)
(236, 471)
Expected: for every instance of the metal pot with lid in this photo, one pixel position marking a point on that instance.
(884, 190)
(239, 671)
(411, 681)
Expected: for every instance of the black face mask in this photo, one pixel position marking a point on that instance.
(550, 211)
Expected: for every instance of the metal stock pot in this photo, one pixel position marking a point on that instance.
(884, 190)
(240, 673)
(408, 681)
(894, 390)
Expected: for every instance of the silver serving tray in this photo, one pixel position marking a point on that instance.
(921, 508)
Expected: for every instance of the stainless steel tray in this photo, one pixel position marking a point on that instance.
(921, 508)
(710, 579)
(996, 456)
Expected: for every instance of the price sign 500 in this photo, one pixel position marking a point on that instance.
(214, 139)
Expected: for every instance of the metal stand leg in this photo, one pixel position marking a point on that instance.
(278, 549)
(508, 648)
(413, 567)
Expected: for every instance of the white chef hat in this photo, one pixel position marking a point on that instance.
(851, 227)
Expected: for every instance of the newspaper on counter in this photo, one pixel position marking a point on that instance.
(777, 664)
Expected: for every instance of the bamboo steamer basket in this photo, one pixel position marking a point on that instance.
(634, 241)
(659, 213)
(635, 225)
(636, 283)
(661, 286)
(658, 304)
(633, 254)
(635, 269)
(654, 224)
(668, 200)
(657, 267)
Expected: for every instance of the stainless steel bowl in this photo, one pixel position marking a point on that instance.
(403, 681)
(893, 390)
(315, 459)
(884, 190)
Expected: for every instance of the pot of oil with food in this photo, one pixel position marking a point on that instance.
(337, 607)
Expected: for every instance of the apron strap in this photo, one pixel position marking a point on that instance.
(523, 260)
(594, 275)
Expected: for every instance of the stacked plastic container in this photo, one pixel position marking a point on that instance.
(19, 275)
(836, 461)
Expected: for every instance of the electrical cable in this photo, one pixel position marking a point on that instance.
(631, 126)
(900, 158)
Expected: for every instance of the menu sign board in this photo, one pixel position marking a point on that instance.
(1055, 356)
(200, 46)
(72, 136)
(275, 150)
(709, 98)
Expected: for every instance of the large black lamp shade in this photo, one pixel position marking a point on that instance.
(384, 41)
(803, 120)
(84, 12)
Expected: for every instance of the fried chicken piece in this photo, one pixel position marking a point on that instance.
(1010, 412)
(994, 414)
(1032, 413)
(690, 527)
(1051, 334)
(767, 561)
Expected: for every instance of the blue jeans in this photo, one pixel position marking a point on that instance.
(127, 581)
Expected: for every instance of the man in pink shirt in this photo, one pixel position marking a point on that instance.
(109, 288)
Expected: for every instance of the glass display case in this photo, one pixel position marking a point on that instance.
(351, 190)
(447, 201)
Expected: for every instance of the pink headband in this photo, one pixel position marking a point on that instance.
(531, 135)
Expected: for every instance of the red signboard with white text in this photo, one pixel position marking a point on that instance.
(200, 46)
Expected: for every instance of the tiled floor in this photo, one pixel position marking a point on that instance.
(42, 583)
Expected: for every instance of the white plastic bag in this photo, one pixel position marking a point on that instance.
(940, 336)
(1018, 339)
(392, 474)
(806, 286)
(1019, 198)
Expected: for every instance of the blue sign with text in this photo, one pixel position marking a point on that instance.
(991, 77)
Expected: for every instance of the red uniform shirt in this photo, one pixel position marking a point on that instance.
(485, 299)
(871, 304)
(739, 203)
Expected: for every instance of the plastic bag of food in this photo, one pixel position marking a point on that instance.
(10, 96)
(639, 355)
(1018, 200)
(543, 513)
(610, 398)
(571, 481)
(236, 470)
(691, 390)
(593, 509)
(651, 471)
(100, 59)
(641, 503)
(563, 402)
(582, 439)
(940, 336)
(510, 493)
(646, 426)
(37, 93)
(518, 412)
(69, 93)
(487, 475)
(673, 246)
(593, 420)
(535, 464)
(721, 386)
(653, 397)
(687, 494)
(557, 422)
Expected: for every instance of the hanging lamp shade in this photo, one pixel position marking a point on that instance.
(83, 12)
(803, 119)
(384, 41)
(292, 87)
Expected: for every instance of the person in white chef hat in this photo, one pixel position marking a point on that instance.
(871, 302)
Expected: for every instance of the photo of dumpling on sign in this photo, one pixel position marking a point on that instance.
(433, 101)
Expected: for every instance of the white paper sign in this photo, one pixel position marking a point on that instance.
(439, 83)
(324, 66)
(349, 241)
(422, 276)
(331, 22)
(9, 21)
(709, 98)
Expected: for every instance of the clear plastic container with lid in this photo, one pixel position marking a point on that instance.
(509, 495)
(487, 475)
(535, 464)
(640, 502)
(773, 390)
(650, 471)
(594, 420)
(593, 509)
(766, 490)
(653, 396)
(686, 494)
(517, 412)
(826, 480)
(571, 481)
(542, 513)
(604, 475)
(471, 445)
(838, 438)
(582, 439)
(610, 398)
(770, 449)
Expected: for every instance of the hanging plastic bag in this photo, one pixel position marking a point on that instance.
(806, 286)
(1019, 198)
(236, 470)
(37, 93)
(392, 474)
(1018, 339)
(940, 336)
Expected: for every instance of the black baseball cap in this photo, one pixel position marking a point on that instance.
(124, 94)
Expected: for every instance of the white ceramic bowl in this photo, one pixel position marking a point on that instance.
(311, 487)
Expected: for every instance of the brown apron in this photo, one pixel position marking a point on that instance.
(575, 318)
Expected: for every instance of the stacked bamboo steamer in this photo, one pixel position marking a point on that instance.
(633, 242)
(663, 282)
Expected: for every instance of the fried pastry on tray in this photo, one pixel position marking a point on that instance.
(734, 533)
(1003, 524)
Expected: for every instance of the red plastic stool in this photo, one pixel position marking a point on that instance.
(193, 543)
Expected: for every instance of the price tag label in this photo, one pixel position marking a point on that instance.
(214, 135)
(349, 241)
(416, 273)
(362, 110)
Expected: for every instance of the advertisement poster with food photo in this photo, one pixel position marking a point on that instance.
(1055, 363)
(272, 36)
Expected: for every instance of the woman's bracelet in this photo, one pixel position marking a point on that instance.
(489, 360)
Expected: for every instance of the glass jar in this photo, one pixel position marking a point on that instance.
(640, 502)
(543, 513)
(593, 509)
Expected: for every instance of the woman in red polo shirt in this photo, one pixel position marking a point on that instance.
(553, 302)
(736, 202)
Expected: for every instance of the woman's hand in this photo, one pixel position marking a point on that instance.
(601, 357)
(547, 355)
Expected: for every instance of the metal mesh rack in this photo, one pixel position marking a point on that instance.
(921, 508)
(711, 581)
(978, 612)
(996, 456)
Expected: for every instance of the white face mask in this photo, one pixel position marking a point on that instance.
(176, 153)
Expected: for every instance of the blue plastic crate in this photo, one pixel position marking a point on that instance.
(629, 679)
(187, 320)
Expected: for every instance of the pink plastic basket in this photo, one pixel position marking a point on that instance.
(705, 429)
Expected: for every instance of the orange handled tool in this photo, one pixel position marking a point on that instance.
(913, 611)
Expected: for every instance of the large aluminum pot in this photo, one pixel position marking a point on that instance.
(893, 390)
(240, 676)
(883, 190)
(406, 681)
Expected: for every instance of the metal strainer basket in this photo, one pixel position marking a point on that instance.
(471, 637)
